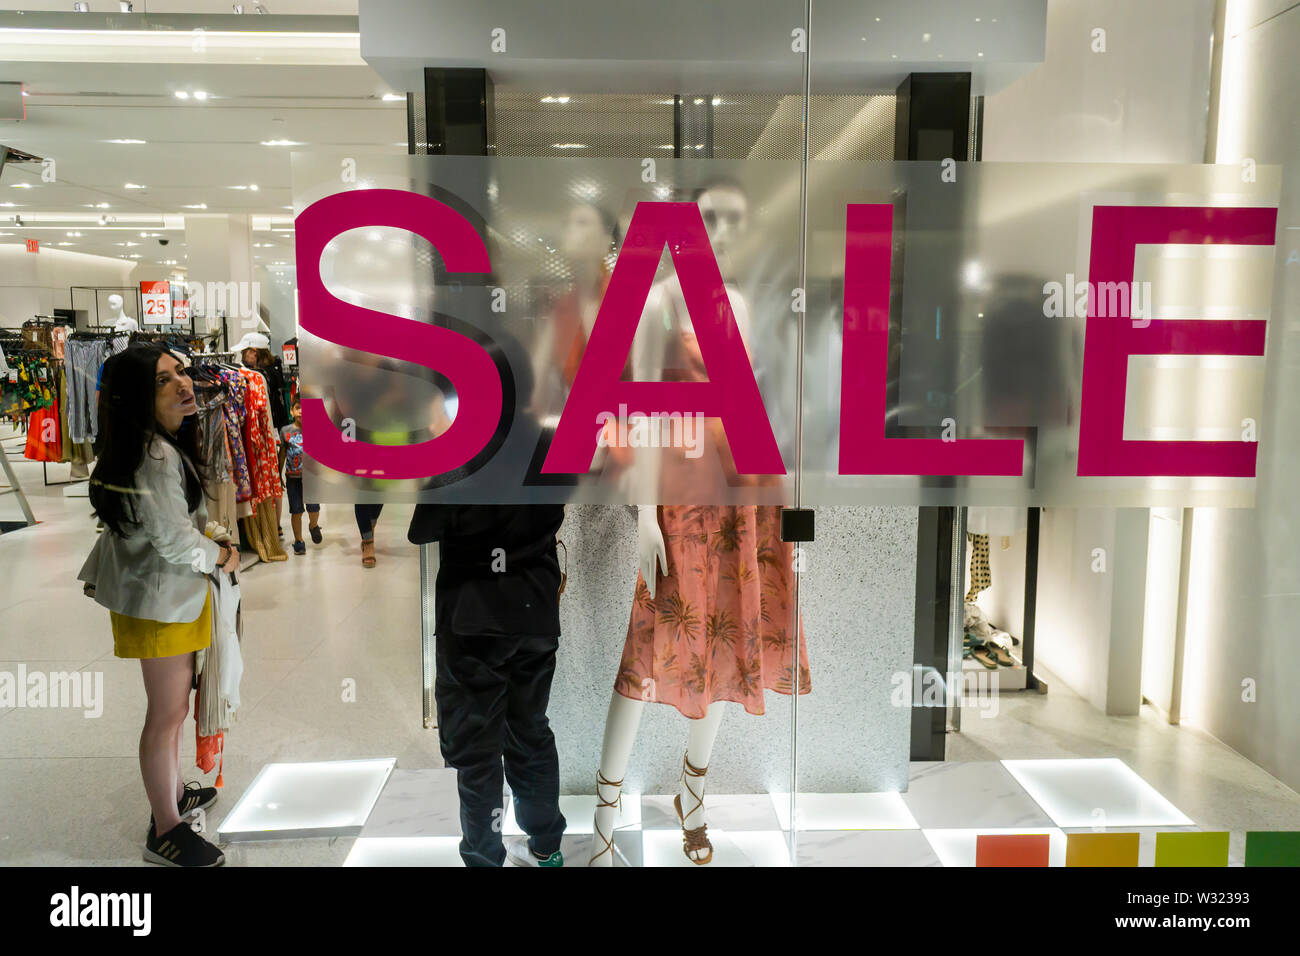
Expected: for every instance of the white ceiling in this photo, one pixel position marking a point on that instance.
(278, 7)
(193, 151)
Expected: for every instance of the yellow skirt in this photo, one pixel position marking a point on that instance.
(141, 637)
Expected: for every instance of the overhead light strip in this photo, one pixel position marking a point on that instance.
(26, 44)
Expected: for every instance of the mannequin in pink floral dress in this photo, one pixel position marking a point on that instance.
(717, 623)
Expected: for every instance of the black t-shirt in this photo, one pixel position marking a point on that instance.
(275, 394)
(499, 573)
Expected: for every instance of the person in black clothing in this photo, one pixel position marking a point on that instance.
(497, 610)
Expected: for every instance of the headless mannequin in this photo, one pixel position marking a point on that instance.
(724, 211)
(117, 318)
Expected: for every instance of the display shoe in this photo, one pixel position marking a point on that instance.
(368, 553)
(181, 846)
(520, 855)
(696, 840)
(985, 656)
(598, 838)
(315, 534)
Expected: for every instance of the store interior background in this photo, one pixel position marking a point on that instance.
(1153, 97)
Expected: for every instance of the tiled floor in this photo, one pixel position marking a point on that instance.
(322, 620)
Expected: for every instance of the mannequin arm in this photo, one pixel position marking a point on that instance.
(652, 555)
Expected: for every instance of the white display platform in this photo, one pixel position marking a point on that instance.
(294, 800)
(1101, 792)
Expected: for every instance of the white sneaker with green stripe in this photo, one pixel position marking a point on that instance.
(519, 854)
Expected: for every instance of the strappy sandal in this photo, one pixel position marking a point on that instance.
(696, 840)
(602, 802)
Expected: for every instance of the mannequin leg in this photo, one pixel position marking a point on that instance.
(620, 734)
(699, 747)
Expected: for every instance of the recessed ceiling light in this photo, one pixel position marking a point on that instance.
(280, 142)
(8, 205)
(253, 187)
(65, 243)
(568, 146)
(133, 186)
(134, 255)
(200, 95)
(20, 186)
(126, 142)
(182, 94)
(197, 205)
(394, 97)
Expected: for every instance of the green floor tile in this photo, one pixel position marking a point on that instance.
(1273, 848)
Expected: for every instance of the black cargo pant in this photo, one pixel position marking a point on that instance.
(492, 694)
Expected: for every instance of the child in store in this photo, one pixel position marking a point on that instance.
(292, 435)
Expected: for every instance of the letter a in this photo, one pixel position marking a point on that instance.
(730, 393)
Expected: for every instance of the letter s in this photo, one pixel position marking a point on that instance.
(470, 368)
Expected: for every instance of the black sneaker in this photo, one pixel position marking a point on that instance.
(181, 846)
(315, 535)
(299, 547)
(197, 797)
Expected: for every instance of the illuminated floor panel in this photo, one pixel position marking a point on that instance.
(1094, 793)
(405, 851)
(845, 811)
(294, 800)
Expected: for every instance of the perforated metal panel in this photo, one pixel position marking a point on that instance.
(744, 126)
(532, 123)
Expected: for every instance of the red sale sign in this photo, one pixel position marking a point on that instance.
(157, 302)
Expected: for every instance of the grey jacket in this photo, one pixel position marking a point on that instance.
(157, 571)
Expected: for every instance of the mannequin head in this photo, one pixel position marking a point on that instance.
(590, 234)
(115, 305)
(725, 210)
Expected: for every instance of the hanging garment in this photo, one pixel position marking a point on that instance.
(83, 360)
(43, 440)
(261, 531)
(981, 579)
(234, 412)
(260, 443)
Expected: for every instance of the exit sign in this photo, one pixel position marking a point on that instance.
(33, 245)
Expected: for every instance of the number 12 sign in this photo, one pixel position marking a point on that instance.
(157, 299)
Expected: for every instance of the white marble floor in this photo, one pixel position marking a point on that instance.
(323, 623)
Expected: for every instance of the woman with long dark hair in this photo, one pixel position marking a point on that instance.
(150, 569)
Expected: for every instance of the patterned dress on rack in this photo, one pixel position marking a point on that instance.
(260, 442)
(233, 413)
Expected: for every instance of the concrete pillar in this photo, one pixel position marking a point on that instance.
(221, 253)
